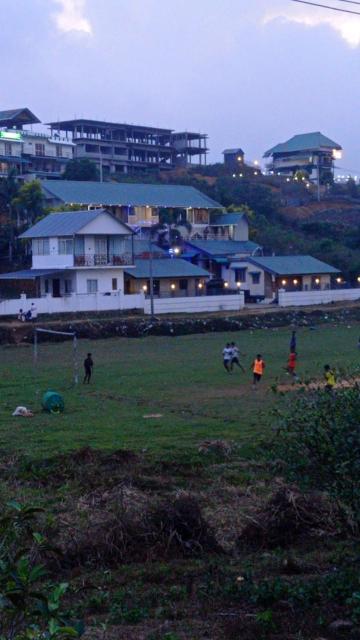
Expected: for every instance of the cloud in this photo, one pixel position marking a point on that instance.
(71, 16)
(348, 26)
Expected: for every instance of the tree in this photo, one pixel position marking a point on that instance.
(29, 203)
(8, 191)
(352, 188)
(83, 169)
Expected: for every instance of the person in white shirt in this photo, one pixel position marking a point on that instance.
(227, 355)
(235, 357)
(33, 311)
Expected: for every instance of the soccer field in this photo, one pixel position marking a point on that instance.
(182, 379)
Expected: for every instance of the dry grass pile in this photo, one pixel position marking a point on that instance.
(288, 517)
(125, 524)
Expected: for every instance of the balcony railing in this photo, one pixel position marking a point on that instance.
(103, 260)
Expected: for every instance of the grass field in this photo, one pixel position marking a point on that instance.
(180, 378)
(150, 540)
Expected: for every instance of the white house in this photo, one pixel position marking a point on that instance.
(79, 252)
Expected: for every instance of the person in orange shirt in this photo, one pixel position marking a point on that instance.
(258, 367)
(291, 365)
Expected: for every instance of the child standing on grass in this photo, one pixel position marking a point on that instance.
(88, 367)
(227, 356)
(258, 367)
(330, 378)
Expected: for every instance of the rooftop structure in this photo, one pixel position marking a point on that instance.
(16, 118)
(128, 148)
(293, 265)
(233, 158)
(128, 194)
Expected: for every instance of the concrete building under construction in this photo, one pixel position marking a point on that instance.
(119, 148)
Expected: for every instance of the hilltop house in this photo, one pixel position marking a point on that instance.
(137, 205)
(29, 152)
(310, 152)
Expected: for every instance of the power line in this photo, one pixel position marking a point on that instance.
(326, 6)
(349, 1)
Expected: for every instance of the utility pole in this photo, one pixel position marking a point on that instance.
(151, 279)
(318, 177)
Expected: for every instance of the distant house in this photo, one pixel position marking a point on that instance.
(261, 277)
(77, 252)
(234, 159)
(215, 255)
(171, 277)
(28, 151)
(136, 204)
(310, 152)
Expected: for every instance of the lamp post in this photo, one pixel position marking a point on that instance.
(151, 278)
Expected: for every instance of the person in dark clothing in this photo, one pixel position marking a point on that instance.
(293, 342)
(88, 367)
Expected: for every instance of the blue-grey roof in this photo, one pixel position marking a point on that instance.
(304, 142)
(227, 218)
(28, 274)
(293, 265)
(65, 223)
(224, 247)
(142, 247)
(128, 194)
(167, 268)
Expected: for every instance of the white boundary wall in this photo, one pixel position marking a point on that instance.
(73, 304)
(303, 298)
(77, 303)
(196, 304)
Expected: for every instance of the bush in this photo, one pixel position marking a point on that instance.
(318, 443)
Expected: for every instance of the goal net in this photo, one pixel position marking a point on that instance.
(55, 362)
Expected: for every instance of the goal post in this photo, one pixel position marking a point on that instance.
(69, 334)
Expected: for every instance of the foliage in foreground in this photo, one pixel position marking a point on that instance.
(30, 609)
(318, 442)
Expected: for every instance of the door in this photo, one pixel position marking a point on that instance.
(56, 288)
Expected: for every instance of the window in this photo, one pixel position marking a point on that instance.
(46, 286)
(8, 149)
(68, 287)
(240, 275)
(92, 286)
(39, 149)
(183, 285)
(255, 278)
(66, 246)
(59, 151)
(41, 247)
(114, 284)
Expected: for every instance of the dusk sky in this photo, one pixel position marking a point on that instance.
(249, 73)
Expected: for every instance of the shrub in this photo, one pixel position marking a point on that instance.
(318, 444)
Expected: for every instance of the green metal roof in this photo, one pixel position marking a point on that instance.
(226, 219)
(304, 142)
(293, 265)
(66, 223)
(128, 194)
(166, 268)
(224, 247)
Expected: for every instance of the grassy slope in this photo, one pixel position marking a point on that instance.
(180, 378)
